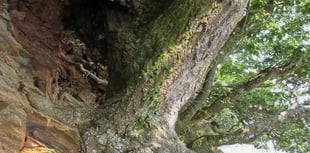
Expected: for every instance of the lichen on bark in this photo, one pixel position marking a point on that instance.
(156, 63)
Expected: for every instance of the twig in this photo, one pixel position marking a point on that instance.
(93, 76)
(87, 72)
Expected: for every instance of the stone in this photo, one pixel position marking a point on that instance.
(13, 127)
(52, 133)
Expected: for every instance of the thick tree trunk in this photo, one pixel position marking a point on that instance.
(157, 54)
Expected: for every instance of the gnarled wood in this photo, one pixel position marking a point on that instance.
(164, 63)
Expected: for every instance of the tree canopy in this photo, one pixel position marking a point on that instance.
(258, 88)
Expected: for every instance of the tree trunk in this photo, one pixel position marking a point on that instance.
(143, 61)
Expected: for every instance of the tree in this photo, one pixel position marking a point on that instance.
(157, 73)
(262, 78)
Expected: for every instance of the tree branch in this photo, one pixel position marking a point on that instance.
(253, 131)
(254, 82)
(203, 95)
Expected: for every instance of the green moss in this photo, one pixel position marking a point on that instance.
(157, 73)
(168, 38)
(141, 123)
(166, 29)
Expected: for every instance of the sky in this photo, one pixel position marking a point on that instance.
(244, 148)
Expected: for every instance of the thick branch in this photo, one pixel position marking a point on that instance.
(240, 90)
(253, 131)
(201, 99)
(251, 84)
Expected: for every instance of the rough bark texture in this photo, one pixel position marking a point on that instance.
(157, 54)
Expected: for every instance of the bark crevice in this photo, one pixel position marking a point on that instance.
(46, 52)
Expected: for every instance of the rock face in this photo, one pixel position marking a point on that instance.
(47, 72)
(52, 133)
(25, 127)
(13, 127)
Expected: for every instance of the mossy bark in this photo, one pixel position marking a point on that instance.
(157, 55)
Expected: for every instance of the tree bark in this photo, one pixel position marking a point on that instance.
(156, 65)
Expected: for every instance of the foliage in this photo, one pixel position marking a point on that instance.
(275, 33)
(272, 35)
